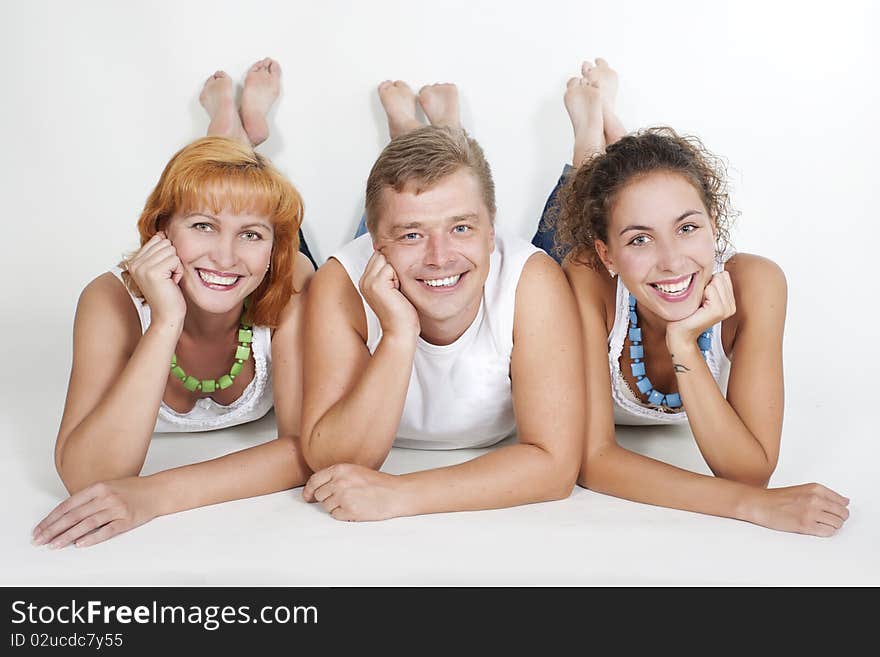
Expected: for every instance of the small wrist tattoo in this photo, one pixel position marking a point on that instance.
(680, 369)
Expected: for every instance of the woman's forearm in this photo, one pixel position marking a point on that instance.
(268, 468)
(112, 441)
(730, 449)
(621, 473)
(360, 428)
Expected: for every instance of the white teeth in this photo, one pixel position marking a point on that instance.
(217, 280)
(674, 289)
(443, 282)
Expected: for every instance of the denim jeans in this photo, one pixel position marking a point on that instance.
(545, 236)
(362, 227)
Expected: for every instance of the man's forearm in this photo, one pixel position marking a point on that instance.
(361, 427)
(506, 477)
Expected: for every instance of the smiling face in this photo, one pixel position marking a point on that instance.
(661, 242)
(438, 240)
(224, 256)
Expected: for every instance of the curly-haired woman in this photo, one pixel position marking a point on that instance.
(675, 325)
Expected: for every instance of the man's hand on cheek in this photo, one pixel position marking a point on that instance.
(380, 286)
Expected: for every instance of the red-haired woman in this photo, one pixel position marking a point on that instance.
(676, 327)
(198, 330)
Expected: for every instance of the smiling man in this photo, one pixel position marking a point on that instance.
(434, 332)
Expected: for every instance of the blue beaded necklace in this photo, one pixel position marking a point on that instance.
(637, 355)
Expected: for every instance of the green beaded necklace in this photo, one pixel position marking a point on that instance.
(242, 353)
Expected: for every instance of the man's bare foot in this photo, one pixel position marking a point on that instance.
(584, 105)
(602, 76)
(262, 84)
(218, 99)
(440, 104)
(399, 103)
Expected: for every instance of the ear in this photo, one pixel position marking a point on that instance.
(605, 256)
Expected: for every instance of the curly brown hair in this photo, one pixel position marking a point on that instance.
(583, 210)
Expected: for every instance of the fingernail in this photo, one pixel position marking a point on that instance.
(54, 546)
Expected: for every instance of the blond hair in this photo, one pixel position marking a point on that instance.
(425, 156)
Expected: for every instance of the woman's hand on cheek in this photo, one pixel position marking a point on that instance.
(353, 492)
(718, 304)
(157, 270)
(98, 512)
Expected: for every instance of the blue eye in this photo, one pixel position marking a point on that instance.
(411, 236)
(639, 240)
(464, 229)
(203, 227)
(690, 228)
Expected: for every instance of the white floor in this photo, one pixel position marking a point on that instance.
(584, 540)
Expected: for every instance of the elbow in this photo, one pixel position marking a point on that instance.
(563, 476)
(75, 477)
(317, 459)
(593, 466)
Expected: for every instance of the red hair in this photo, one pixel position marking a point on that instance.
(219, 174)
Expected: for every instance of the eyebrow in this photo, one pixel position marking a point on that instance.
(255, 224)
(648, 228)
(258, 224)
(472, 216)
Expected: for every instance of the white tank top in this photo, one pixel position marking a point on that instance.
(254, 403)
(459, 394)
(628, 407)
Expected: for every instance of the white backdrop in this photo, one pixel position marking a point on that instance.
(98, 95)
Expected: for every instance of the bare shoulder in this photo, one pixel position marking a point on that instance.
(302, 272)
(540, 271)
(543, 297)
(592, 289)
(105, 306)
(758, 282)
(302, 276)
(333, 295)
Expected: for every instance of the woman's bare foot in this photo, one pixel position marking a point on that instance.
(262, 84)
(584, 105)
(218, 99)
(440, 104)
(602, 76)
(399, 103)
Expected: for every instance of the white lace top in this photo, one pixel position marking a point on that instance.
(254, 403)
(629, 408)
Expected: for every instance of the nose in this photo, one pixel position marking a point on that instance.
(223, 253)
(438, 251)
(670, 257)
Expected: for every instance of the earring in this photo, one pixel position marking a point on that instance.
(612, 273)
